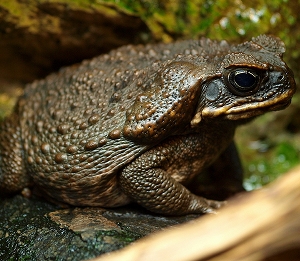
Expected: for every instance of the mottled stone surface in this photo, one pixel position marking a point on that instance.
(36, 230)
(38, 37)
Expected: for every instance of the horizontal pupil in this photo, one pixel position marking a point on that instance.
(245, 79)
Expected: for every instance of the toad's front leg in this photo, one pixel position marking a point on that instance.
(153, 188)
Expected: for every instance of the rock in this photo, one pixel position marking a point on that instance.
(42, 36)
(34, 229)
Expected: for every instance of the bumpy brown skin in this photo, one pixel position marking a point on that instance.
(141, 122)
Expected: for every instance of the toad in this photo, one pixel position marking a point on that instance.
(142, 122)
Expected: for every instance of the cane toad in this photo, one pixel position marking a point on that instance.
(141, 122)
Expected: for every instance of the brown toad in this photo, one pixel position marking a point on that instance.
(140, 123)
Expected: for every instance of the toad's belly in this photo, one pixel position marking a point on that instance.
(102, 191)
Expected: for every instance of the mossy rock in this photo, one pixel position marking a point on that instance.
(32, 229)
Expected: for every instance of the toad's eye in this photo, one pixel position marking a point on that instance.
(243, 81)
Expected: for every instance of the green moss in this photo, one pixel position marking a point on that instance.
(168, 19)
(6, 105)
(269, 162)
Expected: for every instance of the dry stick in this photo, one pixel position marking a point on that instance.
(251, 227)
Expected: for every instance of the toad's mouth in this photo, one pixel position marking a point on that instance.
(246, 109)
(250, 110)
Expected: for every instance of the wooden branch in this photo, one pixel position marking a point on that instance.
(253, 226)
